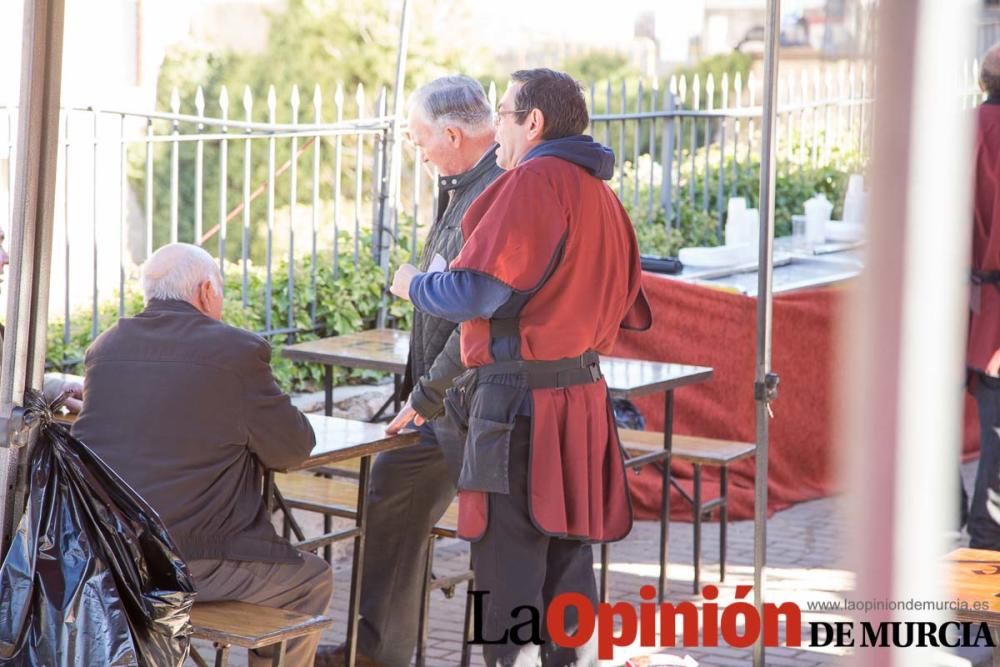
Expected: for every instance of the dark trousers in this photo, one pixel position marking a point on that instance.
(411, 489)
(519, 565)
(304, 587)
(984, 529)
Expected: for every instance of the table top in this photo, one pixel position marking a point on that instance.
(340, 439)
(374, 349)
(628, 378)
(387, 349)
(975, 577)
(794, 268)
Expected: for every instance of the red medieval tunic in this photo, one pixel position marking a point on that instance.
(984, 323)
(550, 229)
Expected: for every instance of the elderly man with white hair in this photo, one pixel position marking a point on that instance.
(451, 123)
(185, 408)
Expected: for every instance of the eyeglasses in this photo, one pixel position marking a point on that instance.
(500, 113)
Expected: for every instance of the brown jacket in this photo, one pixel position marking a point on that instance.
(185, 409)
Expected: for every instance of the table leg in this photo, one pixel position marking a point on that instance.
(604, 571)
(723, 520)
(221, 654)
(697, 527)
(327, 529)
(291, 525)
(668, 432)
(278, 658)
(269, 492)
(378, 413)
(354, 603)
(397, 383)
(328, 390)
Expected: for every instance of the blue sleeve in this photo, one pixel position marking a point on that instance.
(458, 296)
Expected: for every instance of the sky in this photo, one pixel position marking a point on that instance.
(604, 21)
(506, 23)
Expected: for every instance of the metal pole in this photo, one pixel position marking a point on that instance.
(765, 382)
(23, 359)
(393, 153)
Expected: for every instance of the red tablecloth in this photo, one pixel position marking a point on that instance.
(708, 327)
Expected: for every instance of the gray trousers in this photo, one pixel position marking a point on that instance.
(304, 587)
(520, 566)
(410, 491)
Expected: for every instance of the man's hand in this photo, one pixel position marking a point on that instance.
(405, 416)
(993, 366)
(74, 398)
(401, 281)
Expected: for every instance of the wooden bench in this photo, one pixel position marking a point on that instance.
(646, 447)
(973, 577)
(337, 496)
(250, 626)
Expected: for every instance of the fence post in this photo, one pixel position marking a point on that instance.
(666, 193)
(272, 107)
(380, 186)
(199, 165)
(245, 230)
(223, 181)
(175, 147)
(293, 196)
(314, 219)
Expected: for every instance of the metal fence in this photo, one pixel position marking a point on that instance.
(696, 142)
(264, 196)
(988, 30)
(271, 185)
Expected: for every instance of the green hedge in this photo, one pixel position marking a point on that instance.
(690, 224)
(345, 303)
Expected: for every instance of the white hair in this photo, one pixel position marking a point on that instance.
(457, 101)
(176, 270)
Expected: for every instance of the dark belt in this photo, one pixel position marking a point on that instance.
(585, 369)
(505, 327)
(985, 277)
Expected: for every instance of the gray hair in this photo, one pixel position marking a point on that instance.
(455, 100)
(989, 71)
(176, 270)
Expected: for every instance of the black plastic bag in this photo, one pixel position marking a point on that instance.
(92, 578)
(627, 415)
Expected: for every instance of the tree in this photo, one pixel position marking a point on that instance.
(311, 43)
(600, 66)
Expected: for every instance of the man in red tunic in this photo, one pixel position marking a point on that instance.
(983, 354)
(548, 274)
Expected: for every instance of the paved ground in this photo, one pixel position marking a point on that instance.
(802, 543)
(804, 552)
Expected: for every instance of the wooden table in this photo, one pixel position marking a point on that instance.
(376, 349)
(975, 577)
(631, 378)
(339, 440)
(387, 350)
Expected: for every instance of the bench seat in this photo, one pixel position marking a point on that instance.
(646, 448)
(232, 623)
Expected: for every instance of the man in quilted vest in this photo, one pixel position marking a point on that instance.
(548, 274)
(451, 123)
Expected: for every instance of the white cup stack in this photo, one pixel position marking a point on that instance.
(751, 227)
(855, 200)
(734, 220)
(818, 211)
